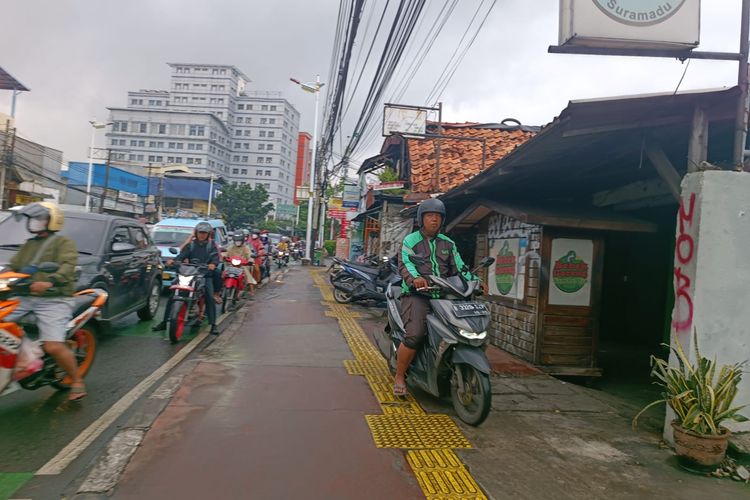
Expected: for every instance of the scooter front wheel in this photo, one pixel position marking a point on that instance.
(178, 318)
(341, 296)
(471, 398)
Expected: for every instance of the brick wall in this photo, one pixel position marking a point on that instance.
(513, 321)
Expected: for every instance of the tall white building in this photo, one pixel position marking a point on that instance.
(208, 121)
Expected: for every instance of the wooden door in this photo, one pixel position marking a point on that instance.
(570, 296)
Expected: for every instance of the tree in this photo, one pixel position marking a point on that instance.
(243, 205)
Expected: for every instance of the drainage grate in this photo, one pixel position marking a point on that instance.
(442, 475)
(415, 431)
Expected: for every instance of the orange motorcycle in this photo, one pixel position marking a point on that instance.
(36, 373)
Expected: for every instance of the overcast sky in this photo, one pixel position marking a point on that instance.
(80, 56)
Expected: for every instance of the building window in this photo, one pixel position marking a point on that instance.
(262, 147)
(171, 145)
(240, 106)
(269, 159)
(247, 133)
(132, 143)
(141, 144)
(264, 107)
(152, 144)
(123, 126)
(262, 133)
(198, 161)
(246, 145)
(198, 130)
(249, 119)
(239, 119)
(260, 159)
(270, 134)
(199, 147)
(235, 171)
(250, 106)
(259, 173)
(238, 132)
(191, 146)
(272, 121)
(268, 173)
(273, 108)
(140, 157)
(237, 145)
(269, 147)
(263, 121)
(243, 171)
(170, 159)
(151, 158)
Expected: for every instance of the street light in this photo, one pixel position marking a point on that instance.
(313, 88)
(94, 127)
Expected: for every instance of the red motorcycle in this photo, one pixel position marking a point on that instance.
(234, 282)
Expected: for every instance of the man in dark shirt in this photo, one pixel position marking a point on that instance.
(201, 250)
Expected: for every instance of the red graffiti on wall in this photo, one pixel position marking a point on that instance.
(682, 318)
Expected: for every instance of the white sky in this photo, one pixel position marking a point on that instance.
(80, 56)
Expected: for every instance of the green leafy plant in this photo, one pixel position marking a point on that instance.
(701, 400)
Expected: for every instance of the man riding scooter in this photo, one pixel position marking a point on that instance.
(49, 301)
(260, 253)
(441, 258)
(238, 248)
(201, 250)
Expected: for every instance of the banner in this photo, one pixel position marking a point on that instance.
(351, 196)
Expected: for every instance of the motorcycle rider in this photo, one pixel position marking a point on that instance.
(269, 250)
(203, 250)
(49, 301)
(441, 258)
(238, 248)
(260, 252)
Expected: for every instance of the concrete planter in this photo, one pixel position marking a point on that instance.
(703, 450)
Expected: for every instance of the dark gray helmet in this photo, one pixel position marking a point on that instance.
(238, 237)
(431, 206)
(203, 227)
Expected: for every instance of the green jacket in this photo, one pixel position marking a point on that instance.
(441, 254)
(62, 251)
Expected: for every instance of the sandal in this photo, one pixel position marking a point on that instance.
(77, 392)
(217, 299)
(400, 390)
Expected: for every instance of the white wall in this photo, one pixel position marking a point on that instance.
(712, 272)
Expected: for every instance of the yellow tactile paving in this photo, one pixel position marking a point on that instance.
(404, 424)
(416, 431)
(442, 475)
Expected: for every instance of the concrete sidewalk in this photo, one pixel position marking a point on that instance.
(270, 412)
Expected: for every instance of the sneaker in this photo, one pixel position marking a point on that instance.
(214, 330)
(160, 327)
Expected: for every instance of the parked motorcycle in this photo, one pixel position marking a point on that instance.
(18, 366)
(189, 298)
(234, 282)
(356, 282)
(451, 359)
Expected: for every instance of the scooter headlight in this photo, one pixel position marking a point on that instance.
(185, 280)
(472, 335)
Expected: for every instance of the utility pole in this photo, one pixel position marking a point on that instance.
(106, 181)
(740, 132)
(7, 159)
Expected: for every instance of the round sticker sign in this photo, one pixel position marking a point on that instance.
(639, 12)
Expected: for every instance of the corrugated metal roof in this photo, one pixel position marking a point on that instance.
(7, 82)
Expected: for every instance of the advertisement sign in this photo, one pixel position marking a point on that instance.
(351, 196)
(404, 120)
(336, 203)
(507, 276)
(570, 280)
(125, 196)
(644, 24)
(384, 186)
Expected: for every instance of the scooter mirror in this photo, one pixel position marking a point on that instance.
(173, 251)
(487, 261)
(417, 259)
(49, 267)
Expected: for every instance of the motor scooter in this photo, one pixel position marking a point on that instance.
(188, 297)
(451, 360)
(356, 282)
(234, 282)
(17, 372)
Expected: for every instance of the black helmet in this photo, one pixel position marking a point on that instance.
(238, 237)
(203, 227)
(431, 206)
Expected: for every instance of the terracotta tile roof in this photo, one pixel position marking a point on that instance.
(460, 160)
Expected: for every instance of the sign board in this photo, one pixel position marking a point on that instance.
(384, 186)
(125, 196)
(336, 203)
(507, 275)
(404, 120)
(284, 209)
(351, 196)
(642, 24)
(302, 192)
(570, 280)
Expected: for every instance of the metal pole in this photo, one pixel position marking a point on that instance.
(740, 133)
(308, 232)
(106, 181)
(210, 196)
(13, 103)
(437, 147)
(5, 161)
(91, 168)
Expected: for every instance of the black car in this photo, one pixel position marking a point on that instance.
(114, 253)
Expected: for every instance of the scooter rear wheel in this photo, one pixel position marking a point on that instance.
(177, 320)
(472, 401)
(83, 345)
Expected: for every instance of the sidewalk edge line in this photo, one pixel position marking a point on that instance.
(73, 450)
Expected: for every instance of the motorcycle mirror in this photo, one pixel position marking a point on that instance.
(417, 259)
(487, 261)
(173, 251)
(49, 267)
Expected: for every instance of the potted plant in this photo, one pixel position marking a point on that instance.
(701, 401)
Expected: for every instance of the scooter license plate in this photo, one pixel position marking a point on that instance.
(468, 309)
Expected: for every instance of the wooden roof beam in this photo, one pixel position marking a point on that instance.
(664, 168)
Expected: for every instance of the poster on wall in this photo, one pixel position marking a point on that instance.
(570, 283)
(507, 275)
